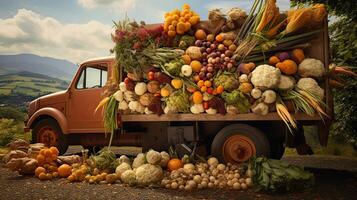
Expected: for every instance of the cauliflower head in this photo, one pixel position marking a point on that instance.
(286, 82)
(139, 160)
(122, 168)
(124, 159)
(147, 174)
(153, 157)
(311, 67)
(265, 77)
(310, 85)
(128, 177)
(165, 157)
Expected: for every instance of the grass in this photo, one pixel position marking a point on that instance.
(28, 85)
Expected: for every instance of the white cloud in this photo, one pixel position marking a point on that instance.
(29, 32)
(113, 5)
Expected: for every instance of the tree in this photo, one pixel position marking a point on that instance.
(343, 45)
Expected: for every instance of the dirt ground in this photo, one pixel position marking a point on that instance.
(330, 184)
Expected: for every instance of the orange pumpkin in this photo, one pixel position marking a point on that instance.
(64, 170)
(288, 67)
(39, 170)
(174, 164)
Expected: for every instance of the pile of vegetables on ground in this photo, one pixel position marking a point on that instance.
(233, 63)
(154, 169)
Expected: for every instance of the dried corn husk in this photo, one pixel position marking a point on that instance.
(270, 15)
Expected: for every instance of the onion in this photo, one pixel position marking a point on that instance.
(221, 167)
(189, 166)
(249, 172)
(168, 186)
(181, 187)
(230, 176)
(241, 180)
(215, 172)
(210, 185)
(191, 183)
(212, 161)
(236, 186)
(235, 180)
(188, 187)
(230, 183)
(236, 175)
(204, 184)
(249, 182)
(216, 182)
(197, 179)
(174, 185)
(244, 186)
(212, 178)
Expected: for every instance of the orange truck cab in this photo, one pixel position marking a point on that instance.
(68, 117)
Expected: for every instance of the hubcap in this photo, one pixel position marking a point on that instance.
(47, 136)
(238, 148)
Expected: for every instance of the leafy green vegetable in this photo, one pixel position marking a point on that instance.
(104, 160)
(279, 176)
(174, 67)
(186, 41)
(227, 80)
(237, 99)
(179, 100)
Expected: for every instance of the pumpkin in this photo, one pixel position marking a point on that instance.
(64, 170)
(174, 164)
(273, 60)
(200, 34)
(39, 170)
(288, 67)
(298, 55)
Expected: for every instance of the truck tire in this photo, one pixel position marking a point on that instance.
(48, 132)
(236, 143)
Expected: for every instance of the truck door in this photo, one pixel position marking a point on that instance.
(84, 97)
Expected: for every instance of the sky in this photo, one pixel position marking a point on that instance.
(77, 30)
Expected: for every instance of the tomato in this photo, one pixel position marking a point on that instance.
(126, 80)
(209, 90)
(205, 105)
(151, 75)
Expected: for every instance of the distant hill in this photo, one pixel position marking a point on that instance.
(18, 88)
(51, 67)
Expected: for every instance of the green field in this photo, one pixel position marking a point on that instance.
(19, 88)
(29, 84)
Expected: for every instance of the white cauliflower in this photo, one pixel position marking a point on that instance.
(269, 96)
(261, 109)
(170, 110)
(128, 177)
(311, 86)
(123, 105)
(147, 111)
(118, 95)
(197, 108)
(135, 106)
(148, 174)
(124, 159)
(122, 87)
(122, 168)
(129, 96)
(232, 109)
(243, 78)
(256, 93)
(211, 111)
(165, 157)
(265, 77)
(153, 157)
(286, 82)
(311, 67)
(140, 88)
(139, 160)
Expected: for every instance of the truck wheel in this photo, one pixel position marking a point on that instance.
(48, 132)
(236, 143)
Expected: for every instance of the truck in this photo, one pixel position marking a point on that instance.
(68, 117)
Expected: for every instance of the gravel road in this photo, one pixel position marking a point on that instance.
(329, 185)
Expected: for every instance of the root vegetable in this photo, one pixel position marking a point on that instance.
(236, 186)
(174, 185)
(221, 167)
(249, 182)
(212, 161)
(244, 186)
(269, 96)
(260, 109)
(153, 157)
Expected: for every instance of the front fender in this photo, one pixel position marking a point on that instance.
(50, 112)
